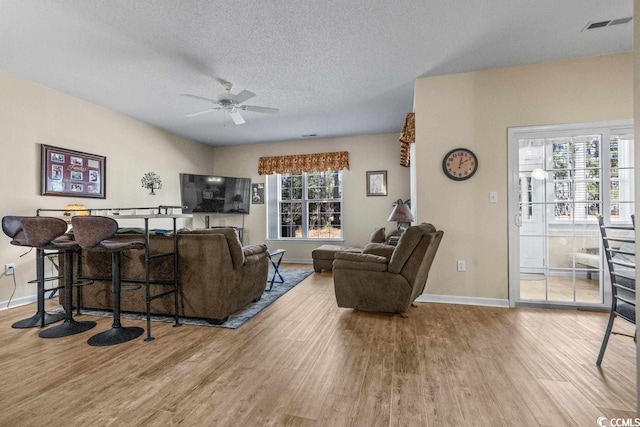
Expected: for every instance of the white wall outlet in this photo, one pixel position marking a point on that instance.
(493, 197)
(461, 265)
(9, 269)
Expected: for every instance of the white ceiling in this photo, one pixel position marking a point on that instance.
(333, 67)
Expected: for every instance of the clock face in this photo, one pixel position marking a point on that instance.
(460, 164)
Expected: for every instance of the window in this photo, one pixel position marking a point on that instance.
(575, 169)
(305, 205)
(570, 173)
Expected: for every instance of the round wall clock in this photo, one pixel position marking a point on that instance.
(460, 164)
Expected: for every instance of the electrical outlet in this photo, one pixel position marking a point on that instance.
(9, 269)
(461, 265)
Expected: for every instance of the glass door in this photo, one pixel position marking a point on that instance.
(561, 179)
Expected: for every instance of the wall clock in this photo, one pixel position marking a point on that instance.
(460, 164)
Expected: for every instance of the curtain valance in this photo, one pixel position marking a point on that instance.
(303, 163)
(407, 137)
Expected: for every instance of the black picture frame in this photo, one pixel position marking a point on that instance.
(257, 194)
(66, 172)
(376, 183)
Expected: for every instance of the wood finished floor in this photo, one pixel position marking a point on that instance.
(560, 289)
(305, 362)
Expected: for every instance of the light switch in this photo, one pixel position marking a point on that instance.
(493, 197)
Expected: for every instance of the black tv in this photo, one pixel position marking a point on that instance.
(210, 194)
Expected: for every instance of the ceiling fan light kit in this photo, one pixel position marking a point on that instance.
(232, 104)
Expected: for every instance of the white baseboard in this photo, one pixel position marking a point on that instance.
(451, 299)
(18, 301)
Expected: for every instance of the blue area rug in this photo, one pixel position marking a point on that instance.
(291, 277)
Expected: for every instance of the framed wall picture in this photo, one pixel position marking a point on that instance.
(257, 194)
(376, 183)
(67, 172)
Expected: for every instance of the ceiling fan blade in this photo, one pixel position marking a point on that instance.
(208, 110)
(243, 96)
(199, 98)
(236, 117)
(257, 109)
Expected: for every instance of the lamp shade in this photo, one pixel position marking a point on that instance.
(401, 213)
(73, 210)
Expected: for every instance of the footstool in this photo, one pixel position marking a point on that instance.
(323, 256)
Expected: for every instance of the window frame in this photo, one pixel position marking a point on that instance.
(273, 197)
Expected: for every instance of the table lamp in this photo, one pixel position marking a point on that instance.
(72, 210)
(402, 215)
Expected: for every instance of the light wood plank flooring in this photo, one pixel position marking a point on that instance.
(305, 362)
(560, 289)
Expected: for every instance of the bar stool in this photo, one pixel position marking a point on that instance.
(91, 233)
(34, 228)
(12, 227)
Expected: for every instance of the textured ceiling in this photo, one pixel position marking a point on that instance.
(332, 67)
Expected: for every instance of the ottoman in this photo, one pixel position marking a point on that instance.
(323, 256)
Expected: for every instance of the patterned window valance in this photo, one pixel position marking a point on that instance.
(303, 163)
(408, 136)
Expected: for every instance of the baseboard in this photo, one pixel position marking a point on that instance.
(18, 301)
(452, 299)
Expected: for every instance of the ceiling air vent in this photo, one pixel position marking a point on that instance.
(608, 23)
(620, 21)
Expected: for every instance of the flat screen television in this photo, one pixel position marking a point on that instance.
(209, 194)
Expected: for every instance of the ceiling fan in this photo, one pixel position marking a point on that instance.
(232, 104)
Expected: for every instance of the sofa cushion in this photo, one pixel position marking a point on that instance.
(378, 236)
(235, 248)
(328, 251)
(233, 241)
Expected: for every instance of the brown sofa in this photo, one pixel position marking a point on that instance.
(217, 275)
(385, 278)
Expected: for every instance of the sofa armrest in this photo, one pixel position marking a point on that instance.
(379, 249)
(253, 249)
(359, 261)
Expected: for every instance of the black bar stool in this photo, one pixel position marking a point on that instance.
(12, 227)
(91, 233)
(34, 228)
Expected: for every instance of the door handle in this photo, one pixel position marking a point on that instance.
(518, 220)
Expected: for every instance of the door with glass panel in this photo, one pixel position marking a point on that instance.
(561, 179)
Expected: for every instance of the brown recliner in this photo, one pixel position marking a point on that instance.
(385, 278)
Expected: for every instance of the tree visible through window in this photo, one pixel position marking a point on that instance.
(577, 168)
(576, 176)
(310, 205)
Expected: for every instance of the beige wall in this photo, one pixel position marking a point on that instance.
(474, 110)
(31, 114)
(361, 213)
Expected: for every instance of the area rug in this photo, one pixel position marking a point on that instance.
(291, 276)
